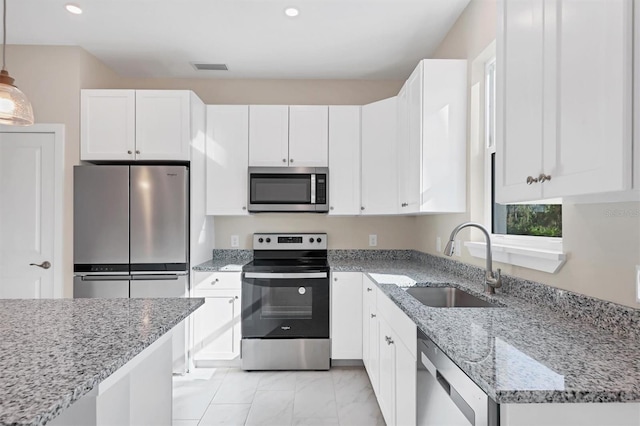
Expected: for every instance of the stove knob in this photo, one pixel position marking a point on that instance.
(319, 240)
(268, 240)
(260, 240)
(310, 240)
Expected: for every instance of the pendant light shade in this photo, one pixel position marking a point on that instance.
(15, 108)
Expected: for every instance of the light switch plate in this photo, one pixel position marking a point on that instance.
(373, 240)
(235, 241)
(438, 244)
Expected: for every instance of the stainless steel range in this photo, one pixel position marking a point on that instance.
(285, 304)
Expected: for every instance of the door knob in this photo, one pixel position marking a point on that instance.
(44, 265)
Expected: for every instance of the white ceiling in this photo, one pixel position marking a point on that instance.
(330, 39)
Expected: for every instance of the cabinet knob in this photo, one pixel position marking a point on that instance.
(373, 315)
(368, 289)
(362, 208)
(284, 160)
(331, 208)
(531, 179)
(291, 160)
(214, 281)
(389, 340)
(129, 152)
(244, 207)
(543, 177)
(137, 151)
(335, 279)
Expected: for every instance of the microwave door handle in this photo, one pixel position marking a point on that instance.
(313, 188)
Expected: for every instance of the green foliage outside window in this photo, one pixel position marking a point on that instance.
(541, 220)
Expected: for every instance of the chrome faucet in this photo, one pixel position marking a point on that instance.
(491, 280)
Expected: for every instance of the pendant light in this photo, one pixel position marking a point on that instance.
(15, 108)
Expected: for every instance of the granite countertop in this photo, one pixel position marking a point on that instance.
(522, 352)
(54, 351)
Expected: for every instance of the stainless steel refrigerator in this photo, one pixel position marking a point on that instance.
(131, 231)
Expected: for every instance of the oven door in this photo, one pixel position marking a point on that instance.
(285, 305)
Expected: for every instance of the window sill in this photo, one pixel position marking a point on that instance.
(533, 258)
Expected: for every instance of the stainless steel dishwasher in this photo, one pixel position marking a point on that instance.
(446, 396)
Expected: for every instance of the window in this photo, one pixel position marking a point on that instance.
(536, 220)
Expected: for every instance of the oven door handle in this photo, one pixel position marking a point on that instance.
(285, 276)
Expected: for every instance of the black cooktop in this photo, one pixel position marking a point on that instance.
(286, 265)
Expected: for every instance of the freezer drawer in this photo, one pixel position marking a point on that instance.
(159, 286)
(107, 286)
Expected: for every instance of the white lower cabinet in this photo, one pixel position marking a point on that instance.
(346, 315)
(389, 355)
(216, 325)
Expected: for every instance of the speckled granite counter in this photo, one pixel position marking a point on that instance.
(52, 352)
(544, 345)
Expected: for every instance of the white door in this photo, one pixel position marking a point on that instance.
(27, 222)
(268, 135)
(308, 136)
(227, 159)
(344, 160)
(217, 328)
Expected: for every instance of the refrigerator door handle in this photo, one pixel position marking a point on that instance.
(155, 277)
(105, 277)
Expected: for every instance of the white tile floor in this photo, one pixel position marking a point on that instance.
(208, 396)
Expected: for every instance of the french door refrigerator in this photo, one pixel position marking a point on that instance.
(131, 234)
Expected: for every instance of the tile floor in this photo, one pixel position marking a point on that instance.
(217, 396)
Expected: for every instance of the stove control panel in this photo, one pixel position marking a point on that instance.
(289, 241)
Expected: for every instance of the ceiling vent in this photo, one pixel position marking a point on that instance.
(210, 67)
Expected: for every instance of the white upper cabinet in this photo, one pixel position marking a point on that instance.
(281, 136)
(268, 135)
(308, 136)
(432, 114)
(227, 149)
(135, 125)
(108, 125)
(344, 160)
(379, 158)
(564, 98)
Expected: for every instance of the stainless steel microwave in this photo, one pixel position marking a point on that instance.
(288, 189)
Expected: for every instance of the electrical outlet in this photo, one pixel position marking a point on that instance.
(438, 244)
(235, 241)
(373, 240)
(458, 248)
(638, 283)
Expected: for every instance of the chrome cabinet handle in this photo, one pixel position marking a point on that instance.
(214, 281)
(405, 204)
(373, 315)
(129, 152)
(291, 160)
(389, 340)
(331, 208)
(44, 265)
(233, 299)
(244, 207)
(531, 179)
(335, 279)
(368, 289)
(137, 151)
(284, 160)
(362, 208)
(542, 178)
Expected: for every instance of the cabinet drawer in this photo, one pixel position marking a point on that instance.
(399, 322)
(207, 281)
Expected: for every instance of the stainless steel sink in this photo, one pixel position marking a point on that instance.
(448, 297)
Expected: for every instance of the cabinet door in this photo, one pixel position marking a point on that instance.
(519, 60)
(216, 333)
(636, 96)
(379, 166)
(412, 164)
(227, 150)
(387, 383)
(588, 60)
(344, 160)
(163, 125)
(309, 136)
(346, 315)
(268, 135)
(107, 125)
(442, 110)
(403, 150)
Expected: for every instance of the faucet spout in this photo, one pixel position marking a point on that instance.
(492, 280)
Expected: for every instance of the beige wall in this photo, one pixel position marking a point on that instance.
(603, 249)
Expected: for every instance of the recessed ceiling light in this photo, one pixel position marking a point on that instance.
(291, 11)
(73, 8)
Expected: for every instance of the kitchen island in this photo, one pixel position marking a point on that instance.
(88, 361)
